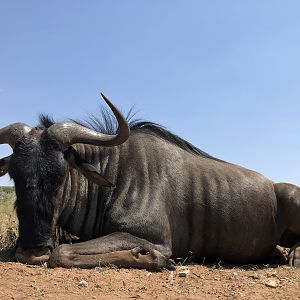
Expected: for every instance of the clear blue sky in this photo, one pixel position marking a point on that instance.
(225, 75)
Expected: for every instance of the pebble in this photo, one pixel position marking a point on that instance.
(283, 278)
(271, 284)
(183, 271)
(272, 274)
(255, 276)
(171, 277)
(83, 283)
(233, 276)
(99, 269)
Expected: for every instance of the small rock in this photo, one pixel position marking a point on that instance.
(271, 284)
(183, 271)
(272, 274)
(255, 276)
(171, 278)
(283, 278)
(233, 276)
(83, 283)
(98, 269)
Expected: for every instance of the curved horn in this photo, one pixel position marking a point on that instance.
(11, 133)
(4, 163)
(70, 133)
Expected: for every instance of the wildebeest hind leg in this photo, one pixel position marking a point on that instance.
(119, 249)
(288, 197)
(294, 255)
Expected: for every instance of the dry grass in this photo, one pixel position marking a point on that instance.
(8, 223)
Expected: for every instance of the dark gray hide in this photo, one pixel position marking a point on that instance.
(168, 199)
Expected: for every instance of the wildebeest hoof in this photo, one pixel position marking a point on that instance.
(161, 261)
(294, 256)
(138, 250)
(157, 260)
(32, 256)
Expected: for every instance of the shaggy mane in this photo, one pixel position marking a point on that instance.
(107, 124)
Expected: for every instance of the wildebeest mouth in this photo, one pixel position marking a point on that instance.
(32, 256)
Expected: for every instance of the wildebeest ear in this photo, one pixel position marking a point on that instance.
(91, 173)
(4, 163)
(88, 170)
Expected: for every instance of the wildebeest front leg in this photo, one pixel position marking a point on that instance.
(119, 249)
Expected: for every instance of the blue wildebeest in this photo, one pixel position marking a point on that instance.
(138, 197)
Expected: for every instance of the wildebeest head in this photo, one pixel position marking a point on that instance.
(39, 166)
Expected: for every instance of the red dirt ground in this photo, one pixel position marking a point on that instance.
(18, 281)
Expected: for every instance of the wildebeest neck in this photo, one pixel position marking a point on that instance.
(83, 203)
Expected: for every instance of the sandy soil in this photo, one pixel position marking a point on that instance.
(18, 281)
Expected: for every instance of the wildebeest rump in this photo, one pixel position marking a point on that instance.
(138, 197)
